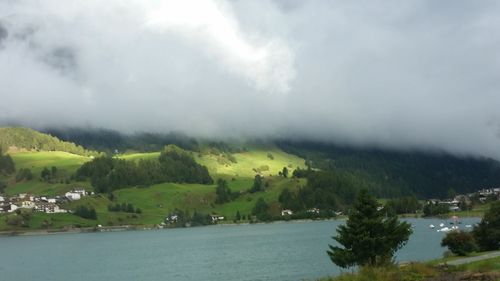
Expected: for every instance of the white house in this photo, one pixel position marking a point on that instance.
(2, 199)
(286, 212)
(51, 200)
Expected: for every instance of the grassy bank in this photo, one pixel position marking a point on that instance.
(433, 270)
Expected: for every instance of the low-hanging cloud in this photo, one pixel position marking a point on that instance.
(399, 74)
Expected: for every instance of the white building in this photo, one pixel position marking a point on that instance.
(13, 208)
(313, 211)
(49, 208)
(27, 205)
(286, 212)
(75, 194)
(2, 199)
(216, 218)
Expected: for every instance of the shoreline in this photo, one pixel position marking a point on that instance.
(40, 232)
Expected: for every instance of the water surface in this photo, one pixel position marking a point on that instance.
(277, 251)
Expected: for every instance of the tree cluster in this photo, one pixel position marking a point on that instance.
(24, 174)
(284, 172)
(223, 192)
(48, 175)
(174, 165)
(487, 232)
(20, 218)
(485, 236)
(459, 242)
(261, 210)
(258, 184)
(85, 212)
(7, 166)
(184, 218)
(324, 190)
(434, 209)
(403, 205)
(124, 207)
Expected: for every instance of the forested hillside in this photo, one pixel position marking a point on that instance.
(386, 173)
(28, 139)
(110, 141)
(393, 173)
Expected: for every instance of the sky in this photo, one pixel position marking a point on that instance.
(408, 75)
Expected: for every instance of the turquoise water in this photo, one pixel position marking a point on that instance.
(278, 251)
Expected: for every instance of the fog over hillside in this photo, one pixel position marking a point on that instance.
(397, 74)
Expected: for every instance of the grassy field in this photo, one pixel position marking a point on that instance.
(36, 161)
(138, 156)
(37, 187)
(248, 161)
(66, 164)
(158, 200)
(487, 265)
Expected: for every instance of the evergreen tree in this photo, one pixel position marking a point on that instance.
(285, 172)
(261, 210)
(223, 192)
(45, 174)
(7, 166)
(258, 184)
(368, 238)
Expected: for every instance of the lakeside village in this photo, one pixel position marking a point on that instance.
(43, 204)
(52, 205)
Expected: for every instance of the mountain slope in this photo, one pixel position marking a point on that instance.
(14, 139)
(393, 173)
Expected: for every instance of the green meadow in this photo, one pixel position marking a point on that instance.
(158, 200)
(65, 162)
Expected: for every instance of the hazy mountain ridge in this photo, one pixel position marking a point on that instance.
(386, 173)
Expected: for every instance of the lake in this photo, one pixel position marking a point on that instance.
(277, 251)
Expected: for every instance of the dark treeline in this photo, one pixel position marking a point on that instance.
(403, 205)
(85, 212)
(7, 165)
(434, 209)
(174, 165)
(395, 174)
(24, 138)
(109, 140)
(124, 207)
(24, 174)
(324, 190)
(184, 218)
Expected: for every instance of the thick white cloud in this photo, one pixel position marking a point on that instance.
(404, 74)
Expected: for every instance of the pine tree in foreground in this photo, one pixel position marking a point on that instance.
(368, 237)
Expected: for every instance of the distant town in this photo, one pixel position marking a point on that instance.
(43, 204)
